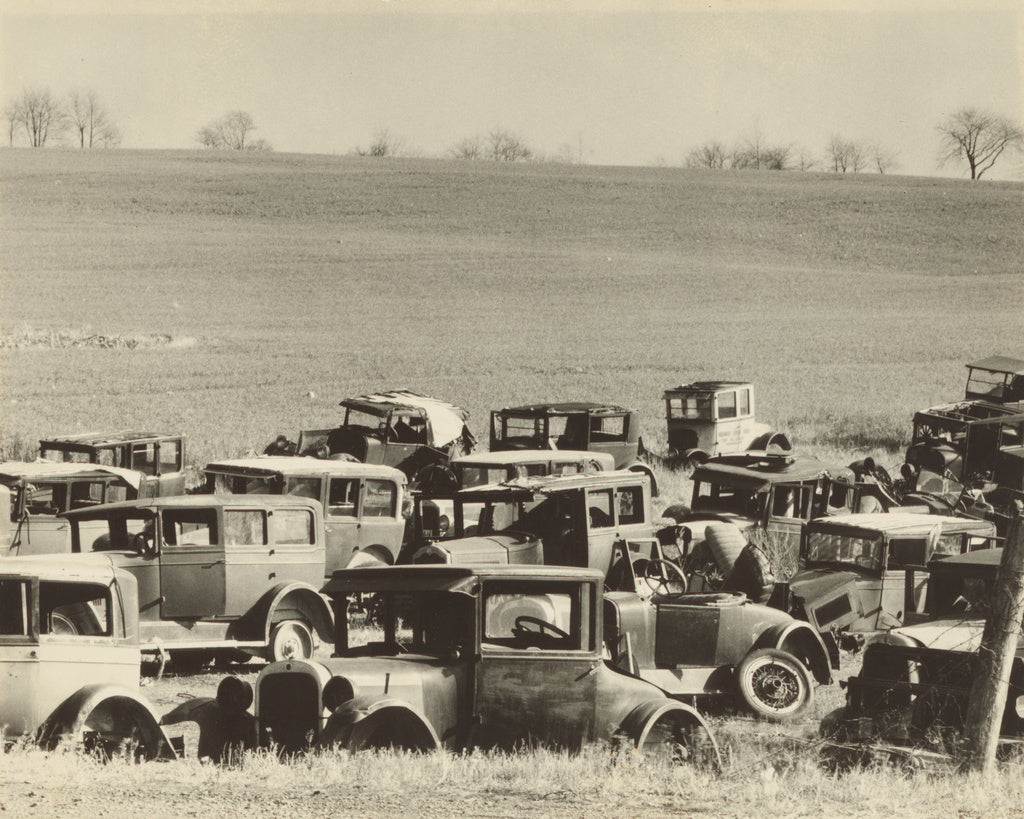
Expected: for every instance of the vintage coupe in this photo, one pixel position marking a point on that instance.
(472, 657)
(69, 657)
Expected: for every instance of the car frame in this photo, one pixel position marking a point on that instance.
(573, 425)
(159, 456)
(218, 575)
(365, 505)
(69, 658)
(400, 428)
(38, 492)
(706, 419)
(482, 667)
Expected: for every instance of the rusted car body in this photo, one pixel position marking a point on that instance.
(69, 657)
(570, 520)
(365, 505)
(160, 457)
(400, 428)
(38, 492)
(777, 494)
(710, 418)
(217, 573)
(910, 698)
(998, 378)
(472, 657)
(854, 575)
(572, 425)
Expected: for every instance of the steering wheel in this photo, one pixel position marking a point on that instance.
(545, 629)
(143, 545)
(663, 577)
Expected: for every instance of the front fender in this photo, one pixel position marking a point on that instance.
(106, 708)
(803, 642)
(372, 722)
(286, 601)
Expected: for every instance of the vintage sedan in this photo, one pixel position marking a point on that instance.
(472, 657)
(69, 657)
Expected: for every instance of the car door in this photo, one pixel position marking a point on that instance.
(192, 563)
(40, 531)
(379, 521)
(341, 521)
(534, 684)
(789, 507)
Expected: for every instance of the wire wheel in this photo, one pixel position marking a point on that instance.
(774, 684)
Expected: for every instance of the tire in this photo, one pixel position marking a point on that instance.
(726, 542)
(774, 684)
(752, 575)
(290, 640)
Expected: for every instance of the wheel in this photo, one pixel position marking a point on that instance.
(774, 684)
(664, 578)
(725, 542)
(290, 640)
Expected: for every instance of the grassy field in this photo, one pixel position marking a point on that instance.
(234, 297)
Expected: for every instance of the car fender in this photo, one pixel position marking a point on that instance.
(640, 466)
(639, 722)
(68, 720)
(371, 721)
(287, 601)
(803, 642)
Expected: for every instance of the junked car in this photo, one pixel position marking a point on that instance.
(776, 494)
(218, 575)
(38, 492)
(400, 428)
(710, 418)
(160, 457)
(909, 701)
(998, 378)
(468, 657)
(855, 566)
(572, 425)
(365, 505)
(69, 658)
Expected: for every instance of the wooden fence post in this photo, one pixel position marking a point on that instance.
(995, 658)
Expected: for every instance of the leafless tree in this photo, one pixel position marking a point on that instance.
(91, 121)
(41, 114)
(979, 138)
(505, 146)
(754, 154)
(384, 143)
(13, 117)
(468, 148)
(882, 158)
(709, 155)
(803, 161)
(231, 132)
(846, 156)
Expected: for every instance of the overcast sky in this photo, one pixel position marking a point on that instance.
(625, 82)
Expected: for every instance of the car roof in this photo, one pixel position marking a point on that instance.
(43, 469)
(903, 523)
(707, 386)
(92, 567)
(980, 558)
(381, 403)
(556, 483)
(303, 465)
(193, 502)
(999, 364)
(106, 438)
(463, 579)
(566, 408)
(514, 457)
(757, 470)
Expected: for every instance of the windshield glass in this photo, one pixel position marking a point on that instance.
(117, 532)
(469, 476)
(824, 547)
(720, 497)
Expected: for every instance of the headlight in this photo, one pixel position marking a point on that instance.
(1018, 706)
(337, 691)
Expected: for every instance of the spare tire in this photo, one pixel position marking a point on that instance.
(725, 542)
(752, 575)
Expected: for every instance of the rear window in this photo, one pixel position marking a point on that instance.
(380, 499)
(292, 527)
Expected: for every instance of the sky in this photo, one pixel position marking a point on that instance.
(629, 82)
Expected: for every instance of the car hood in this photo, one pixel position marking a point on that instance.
(811, 585)
(483, 550)
(411, 678)
(953, 634)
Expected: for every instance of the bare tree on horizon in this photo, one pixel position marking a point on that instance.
(92, 121)
(231, 132)
(977, 137)
(41, 114)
